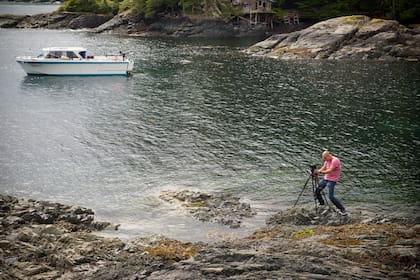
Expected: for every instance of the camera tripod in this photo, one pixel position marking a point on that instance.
(313, 177)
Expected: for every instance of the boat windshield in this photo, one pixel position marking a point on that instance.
(83, 54)
(71, 55)
(61, 54)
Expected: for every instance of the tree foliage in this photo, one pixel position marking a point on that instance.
(134, 6)
(406, 11)
(91, 6)
(152, 8)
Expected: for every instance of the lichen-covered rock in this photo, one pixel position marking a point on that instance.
(18, 212)
(372, 242)
(311, 216)
(351, 37)
(219, 208)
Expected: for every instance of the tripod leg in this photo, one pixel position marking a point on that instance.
(304, 187)
(314, 185)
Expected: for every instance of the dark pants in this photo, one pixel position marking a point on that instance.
(330, 184)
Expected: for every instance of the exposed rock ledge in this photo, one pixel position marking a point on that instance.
(43, 240)
(133, 25)
(54, 20)
(349, 37)
(219, 208)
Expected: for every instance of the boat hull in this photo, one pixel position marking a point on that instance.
(75, 67)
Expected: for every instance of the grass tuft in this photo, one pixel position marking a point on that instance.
(172, 250)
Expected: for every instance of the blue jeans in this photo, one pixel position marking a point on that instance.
(330, 184)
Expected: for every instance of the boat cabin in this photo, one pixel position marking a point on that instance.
(64, 53)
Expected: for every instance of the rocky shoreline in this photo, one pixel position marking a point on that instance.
(350, 37)
(64, 20)
(220, 208)
(44, 240)
(133, 25)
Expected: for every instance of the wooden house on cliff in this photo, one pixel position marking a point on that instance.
(291, 16)
(256, 11)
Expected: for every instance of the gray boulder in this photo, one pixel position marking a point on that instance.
(348, 37)
(219, 208)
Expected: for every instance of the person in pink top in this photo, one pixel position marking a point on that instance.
(332, 171)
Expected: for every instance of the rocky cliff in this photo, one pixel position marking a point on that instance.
(350, 37)
(180, 27)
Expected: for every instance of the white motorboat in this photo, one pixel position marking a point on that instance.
(74, 61)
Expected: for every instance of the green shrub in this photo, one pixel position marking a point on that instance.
(90, 6)
(133, 6)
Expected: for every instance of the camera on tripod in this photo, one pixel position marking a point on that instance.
(313, 168)
(313, 177)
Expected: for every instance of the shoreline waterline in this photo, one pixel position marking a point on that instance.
(68, 236)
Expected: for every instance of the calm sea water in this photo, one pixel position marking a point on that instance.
(26, 8)
(201, 115)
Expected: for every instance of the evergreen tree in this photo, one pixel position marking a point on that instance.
(406, 11)
(90, 6)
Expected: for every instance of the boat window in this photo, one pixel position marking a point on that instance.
(83, 54)
(54, 54)
(71, 55)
